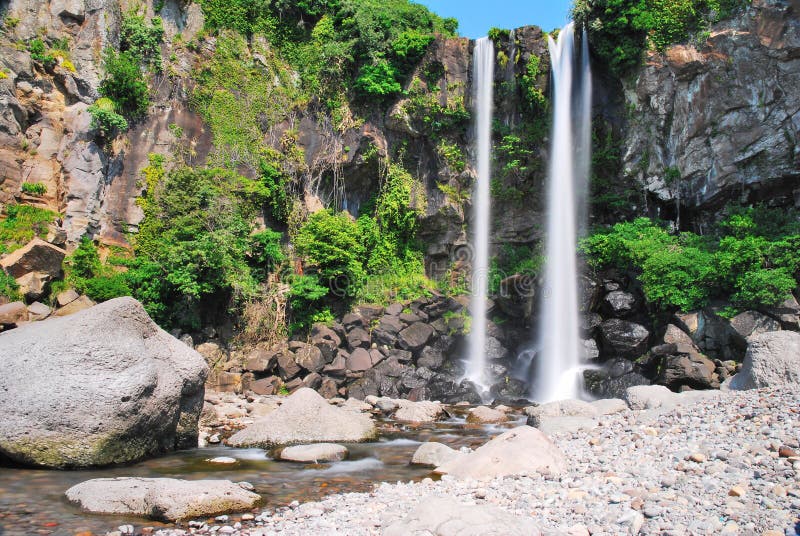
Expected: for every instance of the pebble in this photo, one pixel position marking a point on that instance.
(703, 469)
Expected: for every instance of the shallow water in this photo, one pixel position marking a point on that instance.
(32, 500)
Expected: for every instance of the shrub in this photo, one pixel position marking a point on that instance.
(34, 188)
(378, 80)
(9, 287)
(22, 224)
(123, 83)
(40, 53)
(105, 119)
(141, 39)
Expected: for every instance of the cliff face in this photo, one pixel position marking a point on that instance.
(718, 122)
(698, 127)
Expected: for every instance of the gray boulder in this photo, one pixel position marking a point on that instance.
(619, 303)
(440, 516)
(624, 338)
(36, 256)
(305, 417)
(415, 337)
(520, 451)
(749, 324)
(102, 386)
(310, 358)
(433, 454)
(772, 360)
(163, 499)
(314, 453)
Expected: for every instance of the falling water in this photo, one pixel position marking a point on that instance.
(483, 79)
(557, 371)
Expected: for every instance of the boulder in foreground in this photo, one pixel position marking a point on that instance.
(165, 499)
(305, 417)
(521, 451)
(772, 360)
(103, 386)
(439, 516)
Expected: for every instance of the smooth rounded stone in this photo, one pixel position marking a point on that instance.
(423, 411)
(13, 313)
(166, 499)
(306, 417)
(520, 451)
(609, 406)
(386, 405)
(103, 386)
(433, 454)
(560, 408)
(565, 425)
(314, 453)
(486, 415)
(223, 460)
(772, 360)
(649, 397)
(439, 516)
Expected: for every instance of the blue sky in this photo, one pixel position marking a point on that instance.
(475, 17)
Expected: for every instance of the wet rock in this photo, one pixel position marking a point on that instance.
(495, 351)
(772, 360)
(305, 417)
(164, 499)
(613, 379)
(520, 451)
(431, 358)
(623, 338)
(144, 401)
(486, 415)
(440, 516)
(422, 411)
(415, 337)
(509, 391)
(433, 454)
(314, 453)
(590, 349)
(619, 304)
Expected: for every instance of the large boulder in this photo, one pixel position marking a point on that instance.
(99, 387)
(36, 256)
(772, 360)
(305, 417)
(163, 499)
(415, 337)
(422, 411)
(13, 313)
(440, 516)
(433, 454)
(315, 453)
(521, 451)
(623, 338)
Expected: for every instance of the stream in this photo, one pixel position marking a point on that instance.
(32, 500)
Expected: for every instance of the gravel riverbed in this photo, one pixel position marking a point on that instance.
(725, 464)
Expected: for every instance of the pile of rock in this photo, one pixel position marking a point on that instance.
(403, 351)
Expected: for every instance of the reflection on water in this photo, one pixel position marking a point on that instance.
(32, 501)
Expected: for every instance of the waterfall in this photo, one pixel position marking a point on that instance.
(483, 80)
(557, 371)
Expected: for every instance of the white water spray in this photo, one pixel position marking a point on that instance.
(483, 80)
(558, 368)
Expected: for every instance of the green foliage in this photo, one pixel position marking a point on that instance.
(39, 52)
(105, 120)
(123, 83)
(452, 155)
(9, 287)
(142, 39)
(513, 259)
(330, 244)
(426, 109)
(685, 271)
(621, 30)
(378, 80)
(530, 89)
(34, 188)
(22, 224)
(498, 34)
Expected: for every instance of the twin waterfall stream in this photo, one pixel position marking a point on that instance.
(556, 371)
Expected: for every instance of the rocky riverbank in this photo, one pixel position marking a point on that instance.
(721, 463)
